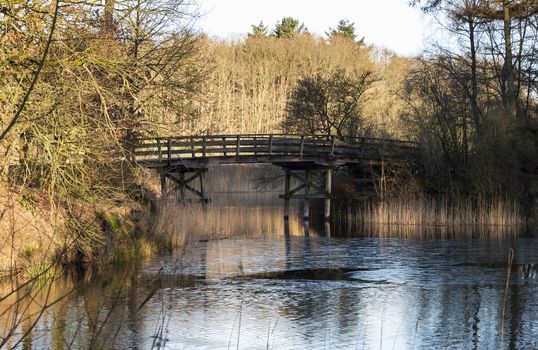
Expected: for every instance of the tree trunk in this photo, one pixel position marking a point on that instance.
(474, 80)
(508, 64)
(108, 17)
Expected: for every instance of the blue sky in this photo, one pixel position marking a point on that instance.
(389, 24)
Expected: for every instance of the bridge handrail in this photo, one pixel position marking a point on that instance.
(205, 146)
(305, 136)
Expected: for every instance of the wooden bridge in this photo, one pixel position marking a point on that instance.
(310, 159)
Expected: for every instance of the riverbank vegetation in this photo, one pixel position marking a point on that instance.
(80, 82)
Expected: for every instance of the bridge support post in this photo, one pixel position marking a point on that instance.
(184, 179)
(328, 190)
(163, 185)
(182, 188)
(306, 204)
(287, 182)
(306, 227)
(202, 192)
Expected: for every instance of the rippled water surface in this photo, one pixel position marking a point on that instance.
(306, 293)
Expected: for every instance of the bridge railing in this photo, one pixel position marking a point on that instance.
(179, 147)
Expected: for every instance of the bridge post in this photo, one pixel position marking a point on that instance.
(163, 185)
(301, 150)
(306, 204)
(328, 190)
(287, 182)
(159, 151)
(237, 145)
(169, 149)
(224, 146)
(182, 187)
(306, 227)
(204, 198)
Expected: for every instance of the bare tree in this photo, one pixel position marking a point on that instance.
(438, 107)
(483, 16)
(160, 62)
(328, 105)
(463, 19)
(22, 104)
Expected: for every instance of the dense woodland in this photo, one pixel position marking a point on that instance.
(80, 81)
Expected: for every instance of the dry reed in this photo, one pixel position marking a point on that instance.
(426, 217)
(244, 206)
(187, 222)
(244, 203)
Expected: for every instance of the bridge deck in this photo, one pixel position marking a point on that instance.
(197, 152)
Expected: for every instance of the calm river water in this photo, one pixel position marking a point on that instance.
(301, 293)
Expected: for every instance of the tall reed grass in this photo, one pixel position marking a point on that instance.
(184, 223)
(245, 203)
(428, 217)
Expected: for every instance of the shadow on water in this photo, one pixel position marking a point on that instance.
(335, 274)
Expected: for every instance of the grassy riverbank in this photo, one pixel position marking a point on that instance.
(36, 233)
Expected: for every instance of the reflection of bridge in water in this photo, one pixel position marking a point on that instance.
(309, 159)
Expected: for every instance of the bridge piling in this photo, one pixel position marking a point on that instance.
(328, 190)
(202, 192)
(287, 181)
(306, 203)
(163, 185)
(182, 188)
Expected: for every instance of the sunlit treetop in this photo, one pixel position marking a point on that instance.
(289, 27)
(259, 30)
(344, 29)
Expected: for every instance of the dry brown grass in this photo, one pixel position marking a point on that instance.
(35, 234)
(240, 208)
(424, 217)
(29, 233)
(190, 222)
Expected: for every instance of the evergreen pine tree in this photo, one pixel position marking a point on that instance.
(345, 29)
(288, 27)
(258, 30)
